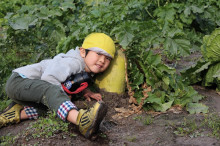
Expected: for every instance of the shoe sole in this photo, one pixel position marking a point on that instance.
(102, 110)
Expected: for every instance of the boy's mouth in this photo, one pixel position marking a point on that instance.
(99, 66)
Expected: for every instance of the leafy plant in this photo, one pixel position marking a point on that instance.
(211, 48)
(207, 69)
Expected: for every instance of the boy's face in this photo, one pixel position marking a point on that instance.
(95, 62)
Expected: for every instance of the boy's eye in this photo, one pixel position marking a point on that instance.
(109, 58)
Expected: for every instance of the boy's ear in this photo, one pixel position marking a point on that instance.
(82, 52)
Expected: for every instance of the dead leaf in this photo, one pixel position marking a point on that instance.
(135, 108)
(132, 100)
(218, 93)
(153, 113)
(145, 93)
(176, 109)
(122, 113)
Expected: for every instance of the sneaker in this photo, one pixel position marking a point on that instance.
(89, 120)
(11, 114)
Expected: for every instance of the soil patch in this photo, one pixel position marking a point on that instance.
(137, 129)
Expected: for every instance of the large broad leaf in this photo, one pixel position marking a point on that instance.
(195, 108)
(193, 73)
(125, 33)
(153, 99)
(176, 46)
(166, 106)
(22, 22)
(212, 75)
(217, 74)
(68, 5)
(162, 107)
(211, 46)
(165, 13)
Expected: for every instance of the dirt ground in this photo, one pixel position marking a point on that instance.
(130, 130)
(136, 129)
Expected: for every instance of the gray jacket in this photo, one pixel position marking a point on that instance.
(55, 70)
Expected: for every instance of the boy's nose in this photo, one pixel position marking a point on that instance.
(102, 58)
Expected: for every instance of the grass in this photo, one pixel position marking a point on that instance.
(44, 127)
(145, 120)
(7, 140)
(213, 122)
(193, 128)
(4, 103)
(48, 127)
(187, 128)
(132, 138)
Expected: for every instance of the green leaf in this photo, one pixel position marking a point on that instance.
(195, 108)
(22, 22)
(217, 74)
(67, 5)
(203, 67)
(187, 11)
(153, 99)
(211, 46)
(125, 38)
(175, 46)
(162, 107)
(196, 9)
(166, 80)
(154, 60)
(165, 13)
(125, 33)
(166, 106)
(211, 75)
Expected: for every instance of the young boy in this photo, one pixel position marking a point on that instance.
(38, 85)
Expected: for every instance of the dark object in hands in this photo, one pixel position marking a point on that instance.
(77, 83)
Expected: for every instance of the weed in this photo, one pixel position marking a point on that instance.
(148, 120)
(138, 118)
(103, 135)
(47, 127)
(7, 140)
(187, 127)
(213, 122)
(132, 138)
(4, 103)
(192, 129)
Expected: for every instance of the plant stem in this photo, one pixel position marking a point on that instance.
(158, 3)
(149, 14)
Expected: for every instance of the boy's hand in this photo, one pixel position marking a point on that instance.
(89, 94)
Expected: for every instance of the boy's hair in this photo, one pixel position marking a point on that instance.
(101, 43)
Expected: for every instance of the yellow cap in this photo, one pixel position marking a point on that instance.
(100, 42)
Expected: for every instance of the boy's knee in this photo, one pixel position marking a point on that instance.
(54, 97)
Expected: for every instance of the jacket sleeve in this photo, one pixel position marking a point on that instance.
(58, 70)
